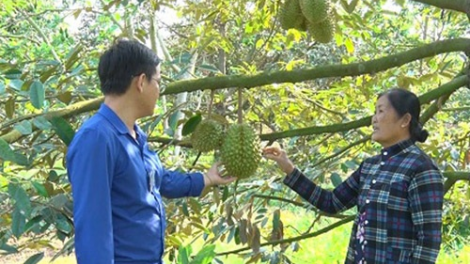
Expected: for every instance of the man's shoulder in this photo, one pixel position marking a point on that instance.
(97, 123)
(97, 128)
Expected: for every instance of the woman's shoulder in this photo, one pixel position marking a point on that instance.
(421, 160)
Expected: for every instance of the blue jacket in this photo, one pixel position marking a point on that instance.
(117, 185)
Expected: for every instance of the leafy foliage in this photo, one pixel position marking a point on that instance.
(49, 53)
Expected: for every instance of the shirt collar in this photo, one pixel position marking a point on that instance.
(393, 150)
(113, 118)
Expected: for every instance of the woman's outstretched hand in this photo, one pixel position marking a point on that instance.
(279, 155)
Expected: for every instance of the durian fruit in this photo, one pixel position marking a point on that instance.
(240, 152)
(291, 15)
(303, 26)
(324, 31)
(315, 11)
(207, 136)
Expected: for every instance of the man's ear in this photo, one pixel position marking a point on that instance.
(139, 82)
(406, 120)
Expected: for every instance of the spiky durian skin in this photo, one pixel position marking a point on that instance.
(291, 15)
(240, 152)
(207, 136)
(324, 31)
(315, 11)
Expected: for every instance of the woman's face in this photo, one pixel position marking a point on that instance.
(389, 128)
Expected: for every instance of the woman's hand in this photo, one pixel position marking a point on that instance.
(213, 177)
(279, 155)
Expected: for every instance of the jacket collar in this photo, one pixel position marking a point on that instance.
(117, 122)
(393, 150)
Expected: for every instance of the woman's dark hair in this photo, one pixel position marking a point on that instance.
(406, 102)
(125, 60)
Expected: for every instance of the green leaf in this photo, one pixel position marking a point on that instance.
(184, 207)
(336, 179)
(12, 74)
(37, 94)
(21, 159)
(59, 200)
(349, 45)
(35, 258)
(8, 249)
(205, 256)
(350, 164)
(208, 67)
(400, 2)
(65, 97)
(18, 223)
(10, 107)
(33, 222)
(195, 205)
(16, 84)
(53, 176)
(184, 254)
(21, 198)
(6, 152)
(24, 127)
(191, 124)
(276, 219)
(41, 123)
(225, 194)
(62, 224)
(63, 129)
(2, 88)
(173, 123)
(40, 189)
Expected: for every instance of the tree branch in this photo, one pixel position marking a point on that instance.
(299, 204)
(453, 177)
(354, 69)
(71, 110)
(442, 90)
(41, 33)
(341, 151)
(457, 109)
(293, 239)
(456, 5)
(424, 99)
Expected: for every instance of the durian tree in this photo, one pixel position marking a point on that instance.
(314, 96)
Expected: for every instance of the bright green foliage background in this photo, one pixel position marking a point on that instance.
(295, 92)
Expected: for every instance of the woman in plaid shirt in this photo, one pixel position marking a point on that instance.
(398, 193)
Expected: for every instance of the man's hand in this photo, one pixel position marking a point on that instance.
(212, 177)
(279, 155)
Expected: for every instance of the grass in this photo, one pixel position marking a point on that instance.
(328, 248)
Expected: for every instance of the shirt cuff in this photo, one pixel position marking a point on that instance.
(197, 184)
(292, 178)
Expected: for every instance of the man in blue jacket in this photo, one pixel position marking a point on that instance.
(117, 181)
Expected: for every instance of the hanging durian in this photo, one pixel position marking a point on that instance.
(207, 136)
(324, 31)
(291, 16)
(240, 151)
(315, 11)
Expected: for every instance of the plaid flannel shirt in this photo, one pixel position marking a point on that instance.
(401, 191)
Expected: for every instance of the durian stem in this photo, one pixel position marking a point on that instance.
(211, 101)
(240, 102)
(195, 161)
(235, 194)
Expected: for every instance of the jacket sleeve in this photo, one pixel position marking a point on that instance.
(426, 194)
(176, 184)
(90, 169)
(343, 197)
